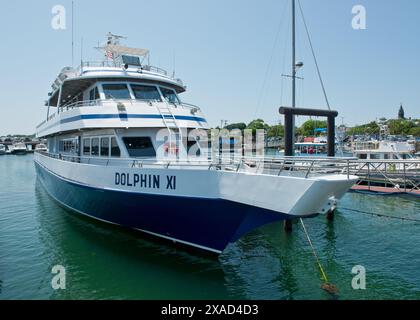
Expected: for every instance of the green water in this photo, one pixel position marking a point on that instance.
(105, 262)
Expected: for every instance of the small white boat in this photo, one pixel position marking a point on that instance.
(41, 148)
(2, 149)
(19, 149)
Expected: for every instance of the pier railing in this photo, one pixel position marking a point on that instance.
(402, 175)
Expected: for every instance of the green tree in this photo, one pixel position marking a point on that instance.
(257, 125)
(241, 126)
(276, 131)
(370, 128)
(415, 131)
(400, 126)
(308, 128)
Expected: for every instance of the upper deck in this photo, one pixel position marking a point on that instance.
(120, 92)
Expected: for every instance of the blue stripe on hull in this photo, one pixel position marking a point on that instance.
(206, 223)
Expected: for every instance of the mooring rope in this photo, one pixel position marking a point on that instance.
(332, 289)
(382, 215)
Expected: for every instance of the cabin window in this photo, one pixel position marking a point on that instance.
(115, 150)
(386, 156)
(116, 91)
(139, 146)
(95, 147)
(86, 147)
(94, 94)
(363, 156)
(69, 146)
(146, 92)
(193, 144)
(375, 156)
(105, 147)
(169, 95)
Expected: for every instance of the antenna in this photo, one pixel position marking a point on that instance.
(174, 61)
(81, 51)
(72, 33)
(293, 55)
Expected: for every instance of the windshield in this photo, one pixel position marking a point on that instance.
(142, 92)
(116, 91)
(170, 95)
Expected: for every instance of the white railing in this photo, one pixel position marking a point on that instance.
(112, 64)
(100, 102)
(303, 167)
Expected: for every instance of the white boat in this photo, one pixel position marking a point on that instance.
(19, 149)
(41, 148)
(2, 149)
(125, 149)
(384, 150)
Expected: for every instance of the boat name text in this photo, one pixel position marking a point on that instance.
(144, 181)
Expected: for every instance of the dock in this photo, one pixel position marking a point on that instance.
(384, 190)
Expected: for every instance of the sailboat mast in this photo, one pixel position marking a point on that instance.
(293, 53)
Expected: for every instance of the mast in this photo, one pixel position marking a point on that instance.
(293, 53)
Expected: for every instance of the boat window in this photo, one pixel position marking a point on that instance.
(196, 146)
(386, 156)
(139, 146)
(115, 150)
(86, 147)
(169, 95)
(95, 147)
(116, 91)
(94, 94)
(105, 147)
(69, 146)
(375, 156)
(363, 156)
(146, 92)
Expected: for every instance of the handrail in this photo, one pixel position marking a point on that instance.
(112, 64)
(288, 166)
(98, 102)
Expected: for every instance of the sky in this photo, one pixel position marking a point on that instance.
(231, 54)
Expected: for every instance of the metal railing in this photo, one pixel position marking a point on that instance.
(100, 102)
(112, 64)
(303, 167)
(403, 175)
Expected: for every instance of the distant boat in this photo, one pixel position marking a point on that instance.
(41, 148)
(19, 149)
(2, 149)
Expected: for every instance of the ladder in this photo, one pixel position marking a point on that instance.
(174, 132)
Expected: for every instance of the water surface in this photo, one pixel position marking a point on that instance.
(107, 262)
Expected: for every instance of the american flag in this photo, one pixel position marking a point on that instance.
(109, 54)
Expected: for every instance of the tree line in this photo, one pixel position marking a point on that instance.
(308, 128)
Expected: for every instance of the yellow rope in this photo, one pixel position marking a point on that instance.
(324, 276)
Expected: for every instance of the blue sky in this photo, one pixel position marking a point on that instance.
(230, 54)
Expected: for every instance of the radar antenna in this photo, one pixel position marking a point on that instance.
(113, 39)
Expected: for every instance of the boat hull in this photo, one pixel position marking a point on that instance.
(19, 152)
(209, 224)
